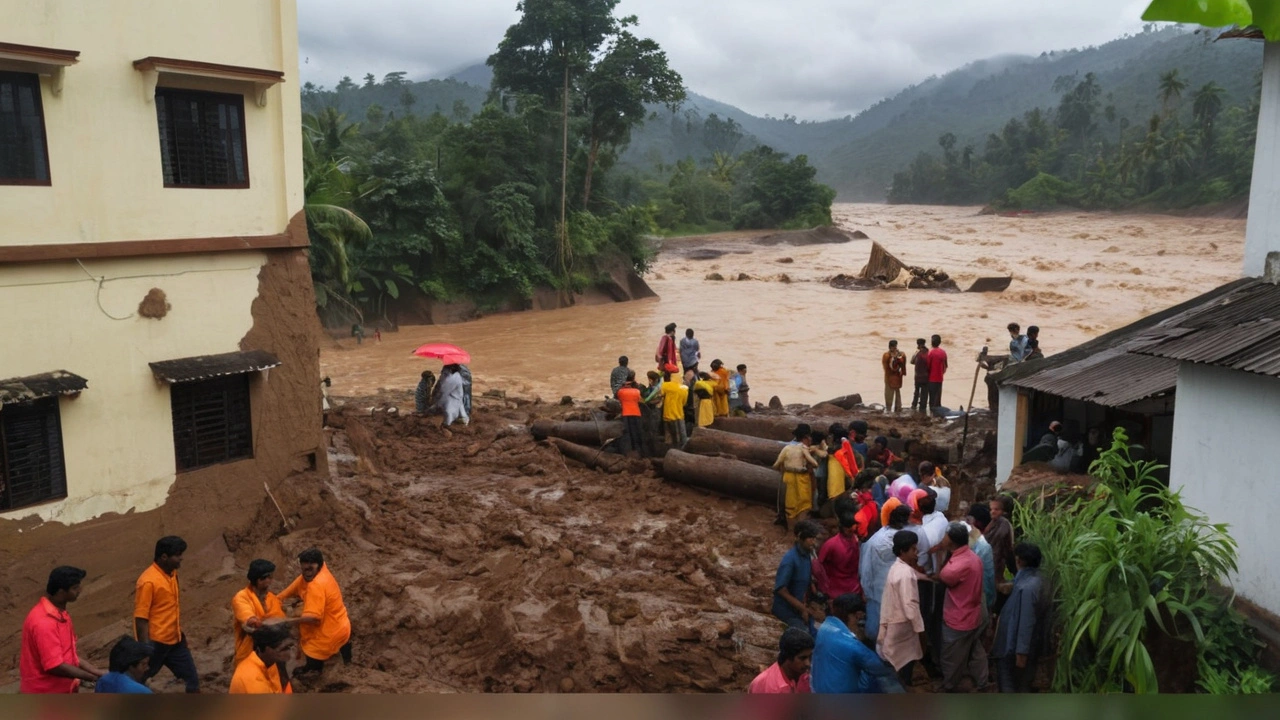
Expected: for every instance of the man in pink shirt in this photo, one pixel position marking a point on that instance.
(49, 662)
(839, 558)
(937, 370)
(791, 673)
(963, 618)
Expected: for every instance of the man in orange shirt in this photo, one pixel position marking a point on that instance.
(49, 662)
(324, 627)
(255, 606)
(259, 673)
(156, 617)
(632, 429)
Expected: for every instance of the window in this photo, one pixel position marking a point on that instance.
(31, 454)
(24, 157)
(211, 421)
(202, 139)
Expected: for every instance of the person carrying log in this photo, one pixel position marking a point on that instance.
(795, 462)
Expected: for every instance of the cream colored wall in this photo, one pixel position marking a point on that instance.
(118, 435)
(104, 147)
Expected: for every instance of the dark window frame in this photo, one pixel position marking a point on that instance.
(32, 80)
(50, 454)
(212, 422)
(166, 130)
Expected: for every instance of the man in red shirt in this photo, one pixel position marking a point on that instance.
(791, 673)
(937, 369)
(632, 428)
(49, 662)
(839, 558)
(963, 616)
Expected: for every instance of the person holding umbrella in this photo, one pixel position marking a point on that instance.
(452, 397)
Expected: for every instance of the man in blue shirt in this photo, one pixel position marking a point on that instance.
(1017, 647)
(842, 663)
(795, 573)
(129, 662)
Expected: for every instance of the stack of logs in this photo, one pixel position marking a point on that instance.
(733, 457)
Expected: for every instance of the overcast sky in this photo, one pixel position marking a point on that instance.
(815, 59)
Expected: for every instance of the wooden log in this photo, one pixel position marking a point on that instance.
(594, 434)
(591, 457)
(727, 477)
(759, 451)
(770, 427)
(845, 402)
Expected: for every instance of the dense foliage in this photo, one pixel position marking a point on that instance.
(1129, 563)
(1195, 150)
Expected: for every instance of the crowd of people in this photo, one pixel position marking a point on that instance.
(264, 639)
(896, 584)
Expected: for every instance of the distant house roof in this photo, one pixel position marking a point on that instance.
(1239, 329)
(1103, 371)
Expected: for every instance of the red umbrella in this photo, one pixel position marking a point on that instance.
(448, 354)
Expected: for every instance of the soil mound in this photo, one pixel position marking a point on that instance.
(824, 235)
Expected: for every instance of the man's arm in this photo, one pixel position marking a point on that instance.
(67, 670)
(142, 629)
(1026, 626)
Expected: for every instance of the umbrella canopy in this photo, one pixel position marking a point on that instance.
(448, 354)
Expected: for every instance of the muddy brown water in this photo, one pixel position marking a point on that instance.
(1076, 275)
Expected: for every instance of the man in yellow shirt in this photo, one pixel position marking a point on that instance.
(674, 397)
(156, 617)
(324, 627)
(259, 673)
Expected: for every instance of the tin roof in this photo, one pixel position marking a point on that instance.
(1103, 371)
(205, 367)
(1239, 330)
(34, 387)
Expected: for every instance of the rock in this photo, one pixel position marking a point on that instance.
(786, 260)
(566, 400)
(724, 629)
(859, 235)
(714, 276)
(496, 393)
(566, 557)
(775, 403)
(743, 277)
(784, 278)
(566, 685)
(689, 634)
(523, 686)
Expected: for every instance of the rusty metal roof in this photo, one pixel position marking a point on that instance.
(34, 387)
(205, 367)
(1103, 370)
(1238, 330)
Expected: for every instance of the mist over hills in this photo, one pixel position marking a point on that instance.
(858, 155)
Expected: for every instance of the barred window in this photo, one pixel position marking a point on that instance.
(211, 422)
(202, 139)
(24, 157)
(31, 454)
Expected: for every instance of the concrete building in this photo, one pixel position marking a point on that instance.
(158, 318)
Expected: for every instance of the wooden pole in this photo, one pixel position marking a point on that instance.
(964, 438)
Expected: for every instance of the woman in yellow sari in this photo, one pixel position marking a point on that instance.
(721, 396)
(705, 390)
(796, 462)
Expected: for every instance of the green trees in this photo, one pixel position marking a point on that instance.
(1176, 159)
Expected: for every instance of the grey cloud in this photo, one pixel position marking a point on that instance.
(810, 58)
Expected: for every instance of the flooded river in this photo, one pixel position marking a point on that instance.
(1075, 275)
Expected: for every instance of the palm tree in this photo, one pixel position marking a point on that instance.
(1207, 104)
(329, 192)
(1171, 87)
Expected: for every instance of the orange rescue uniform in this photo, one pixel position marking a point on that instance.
(254, 677)
(244, 607)
(156, 601)
(322, 599)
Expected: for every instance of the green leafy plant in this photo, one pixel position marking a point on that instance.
(1263, 14)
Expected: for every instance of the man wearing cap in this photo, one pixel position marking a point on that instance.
(674, 396)
(895, 369)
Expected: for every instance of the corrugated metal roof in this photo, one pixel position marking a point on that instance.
(205, 367)
(34, 387)
(1103, 370)
(1240, 330)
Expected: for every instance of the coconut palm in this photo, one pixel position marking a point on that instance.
(1171, 87)
(329, 192)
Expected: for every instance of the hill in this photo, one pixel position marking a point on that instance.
(859, 155)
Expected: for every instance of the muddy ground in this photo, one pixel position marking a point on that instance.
(475, 559)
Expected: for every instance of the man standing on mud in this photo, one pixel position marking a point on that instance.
(324, 627)
(793, 579)
(920, 361)
(674, 396)
(157, 617)
(632, 427)
(937, 370)
(690, 352)
(49, 662)
(895, 369)
(618, 377)
(667, 353)
(963, 617)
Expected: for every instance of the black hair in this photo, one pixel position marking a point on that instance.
(64, 577)
(838, 432)
(981, 514)
(793, 642)
(717, 364)
(926, 469)
(259, 569)
(1006, 503)
(688, 332)
(904, 540)
(807, 529)
(1015, 327)
(126, 653)
(269, 636)
(928, 503)
(899, 516)
(170, 545)
(742, 368)
(847, 519)
(893, 343)
(881, 440)
(842, 504)
(1028, 553)
(817, 436)
(670, 327)
(848, 604)
(311, 555)
(802, 431)
(936, 340)
(1033, 330)
(958, 534)
(623, 361)
(920, 342)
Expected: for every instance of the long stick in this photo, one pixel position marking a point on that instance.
(964, 439)
(283, 519)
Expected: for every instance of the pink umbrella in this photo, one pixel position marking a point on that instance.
(448, 354)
